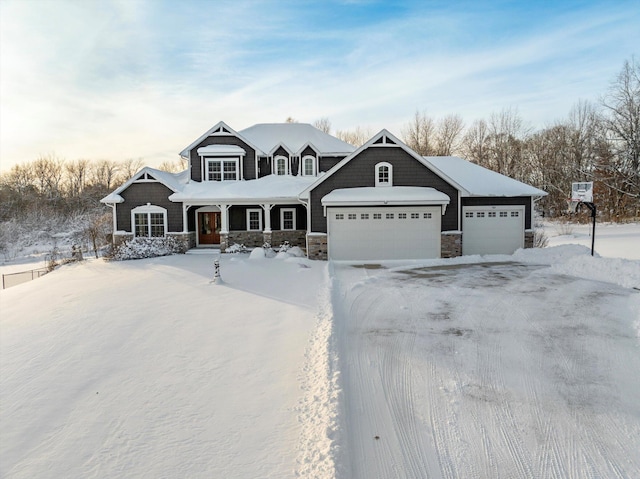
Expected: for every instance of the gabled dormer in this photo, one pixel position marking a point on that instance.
(222, 154)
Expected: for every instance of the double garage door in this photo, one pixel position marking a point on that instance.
(492, 229)
(383, 233)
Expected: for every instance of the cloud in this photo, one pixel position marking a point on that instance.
(119, 79)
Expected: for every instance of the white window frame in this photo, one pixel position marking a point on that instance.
(293, 213)
(379, 167)
(254, 210)
(313, 165)
(286, 165)
(147, 210)
(222, 160)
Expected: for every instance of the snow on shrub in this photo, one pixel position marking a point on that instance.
(236, 248)
(139, 247)
(257, 253)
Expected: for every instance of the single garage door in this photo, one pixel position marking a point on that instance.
(492, 229)
(381, 233)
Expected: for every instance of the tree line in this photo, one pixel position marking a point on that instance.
(597, 141)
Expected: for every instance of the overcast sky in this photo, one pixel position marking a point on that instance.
(121, 79)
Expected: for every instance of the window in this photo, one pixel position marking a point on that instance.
(282, 165)
(389, 216)
(308, 166)
(288, 219)
(415, 216)
(491, 214)
(364, 216)
(402, 216)
(426, 216)
(515, 214)
(384, 174)
(352, 216)
(503, 214)
(149, 221)
(377, 216)
(339, 216)
(480, 214)
(468, 214)
(254, 220)
(222, 169)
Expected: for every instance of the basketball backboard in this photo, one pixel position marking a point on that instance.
(582, 191)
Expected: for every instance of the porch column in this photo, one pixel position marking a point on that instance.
(185, 222)
(224, 218)
(267, 217)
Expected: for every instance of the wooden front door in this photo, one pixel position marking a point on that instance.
(209, 228)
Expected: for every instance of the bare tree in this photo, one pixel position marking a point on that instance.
(174, 166)
(104, 173)
(622, 123)
(475, 144)
(357, 137)
(76, 173)
(420, 134)
(449, 135)
(130, 167)
(323, 124)
(291, 119)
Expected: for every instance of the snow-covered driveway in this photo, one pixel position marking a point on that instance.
(496, 370)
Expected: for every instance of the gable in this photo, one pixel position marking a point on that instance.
(359, 171)
(218, 142)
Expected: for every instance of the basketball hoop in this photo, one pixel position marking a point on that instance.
(572, 205)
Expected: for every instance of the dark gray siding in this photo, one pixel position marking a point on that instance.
(308, 151)
(248, 165)
(138, 194)
(360, 171)
(264, 166)
(487, 201)
(238, 216)
(328, 162)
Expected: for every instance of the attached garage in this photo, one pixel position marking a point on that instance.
(384, 233)
(492, 229)
(386, 224)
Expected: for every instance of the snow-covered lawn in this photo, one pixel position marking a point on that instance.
(500, 366)
(145, 369)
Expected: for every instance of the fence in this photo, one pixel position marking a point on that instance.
(14, 279)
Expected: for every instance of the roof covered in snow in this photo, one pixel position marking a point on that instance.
(272, 189)
(221, 150)
(393, 195)
(173, 181)
(295, 137)
(476, 180)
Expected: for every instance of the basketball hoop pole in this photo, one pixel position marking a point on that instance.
(592, 207)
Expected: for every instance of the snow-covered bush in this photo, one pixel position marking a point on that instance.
(284, 246)
(296, 251)
(237, 248)
(257, 253)
(139, 247)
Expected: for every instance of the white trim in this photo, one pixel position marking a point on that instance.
(286, 165)
(282, 212)
(254, 210)
(148, 209)
(314, 166)
(379, 166)
(222, 160)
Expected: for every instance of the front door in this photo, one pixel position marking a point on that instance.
(208, 227)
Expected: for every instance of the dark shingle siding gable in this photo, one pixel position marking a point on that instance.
(249, 164)
(139, 194)
(360, 171)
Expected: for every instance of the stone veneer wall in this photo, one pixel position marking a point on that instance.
(189, 239)
(528, 239)
(121, 238)
(294, 237)
(317, 246)
(450, 245)
(251, 239)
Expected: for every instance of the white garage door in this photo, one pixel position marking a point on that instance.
(492, 229)
(379, 233)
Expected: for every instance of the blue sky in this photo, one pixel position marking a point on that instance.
(142, 79)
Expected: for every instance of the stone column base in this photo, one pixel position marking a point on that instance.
(224, 242)
(528, 239)
(266, 235)
(450, 244)
(317, 246)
